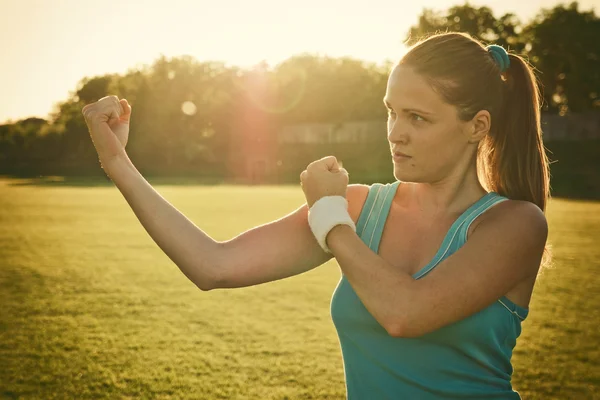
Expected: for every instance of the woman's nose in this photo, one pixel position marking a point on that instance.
(397, 132)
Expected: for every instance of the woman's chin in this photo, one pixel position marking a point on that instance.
(402, 175)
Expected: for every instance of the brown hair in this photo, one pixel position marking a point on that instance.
(511, 159)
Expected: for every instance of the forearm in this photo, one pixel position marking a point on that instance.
(385, 291)
(193, 251)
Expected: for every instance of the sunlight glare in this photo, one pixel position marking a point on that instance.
(188, 108)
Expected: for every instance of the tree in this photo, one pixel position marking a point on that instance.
(93, 89)
(561, 43)
(564, 45)
(477, 22)
(332, 90)
(18, 142)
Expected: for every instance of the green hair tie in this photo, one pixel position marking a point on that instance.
(500, 56)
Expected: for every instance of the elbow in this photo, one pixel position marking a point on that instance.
(395, 330)
(400, 331)
(209, 276)
(208, 280)
(402, 327)
(394, 326)
(406, 320)
(205, 286)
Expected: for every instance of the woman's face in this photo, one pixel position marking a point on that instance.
(424, 127)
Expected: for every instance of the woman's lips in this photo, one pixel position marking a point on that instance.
(399, 156)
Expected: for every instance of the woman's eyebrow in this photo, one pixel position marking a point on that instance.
(388, 105)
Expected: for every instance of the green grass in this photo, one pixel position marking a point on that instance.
(91, 308)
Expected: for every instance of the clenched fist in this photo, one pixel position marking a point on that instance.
(108, 123)
(324, 177)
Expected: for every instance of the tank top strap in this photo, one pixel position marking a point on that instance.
(374, 213)
(456, 236)
(367, 209)
(490, 200)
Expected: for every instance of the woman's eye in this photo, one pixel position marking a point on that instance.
(416, 117)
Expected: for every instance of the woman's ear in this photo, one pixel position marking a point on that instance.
(479, 126)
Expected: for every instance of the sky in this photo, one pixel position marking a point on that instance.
(48, 46)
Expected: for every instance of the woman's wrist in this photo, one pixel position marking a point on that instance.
(336, 234)
(327, 213)
(117, 165)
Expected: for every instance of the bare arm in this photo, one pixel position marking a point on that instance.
(505, 249)
(269, 252)
(280, 249)
(193, 251)
(273, 251)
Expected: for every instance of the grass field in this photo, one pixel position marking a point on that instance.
(91, 308)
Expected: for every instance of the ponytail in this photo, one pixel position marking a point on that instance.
(512, 158)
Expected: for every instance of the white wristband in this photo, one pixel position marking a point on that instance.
(326, 213)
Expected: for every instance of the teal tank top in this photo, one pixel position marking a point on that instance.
(468, 359)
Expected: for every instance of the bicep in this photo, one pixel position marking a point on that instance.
(269, 252)
(279, 249)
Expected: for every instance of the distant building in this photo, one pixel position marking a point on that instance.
(261, 148)
(347, 132)
(572, 126)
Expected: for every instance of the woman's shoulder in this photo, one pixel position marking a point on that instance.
(356, 195)
(521, 211)
(514, 216)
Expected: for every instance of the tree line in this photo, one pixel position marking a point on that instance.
(187, 114)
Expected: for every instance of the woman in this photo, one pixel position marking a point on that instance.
(437, 268)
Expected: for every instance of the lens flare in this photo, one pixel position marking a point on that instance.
(188, 108)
